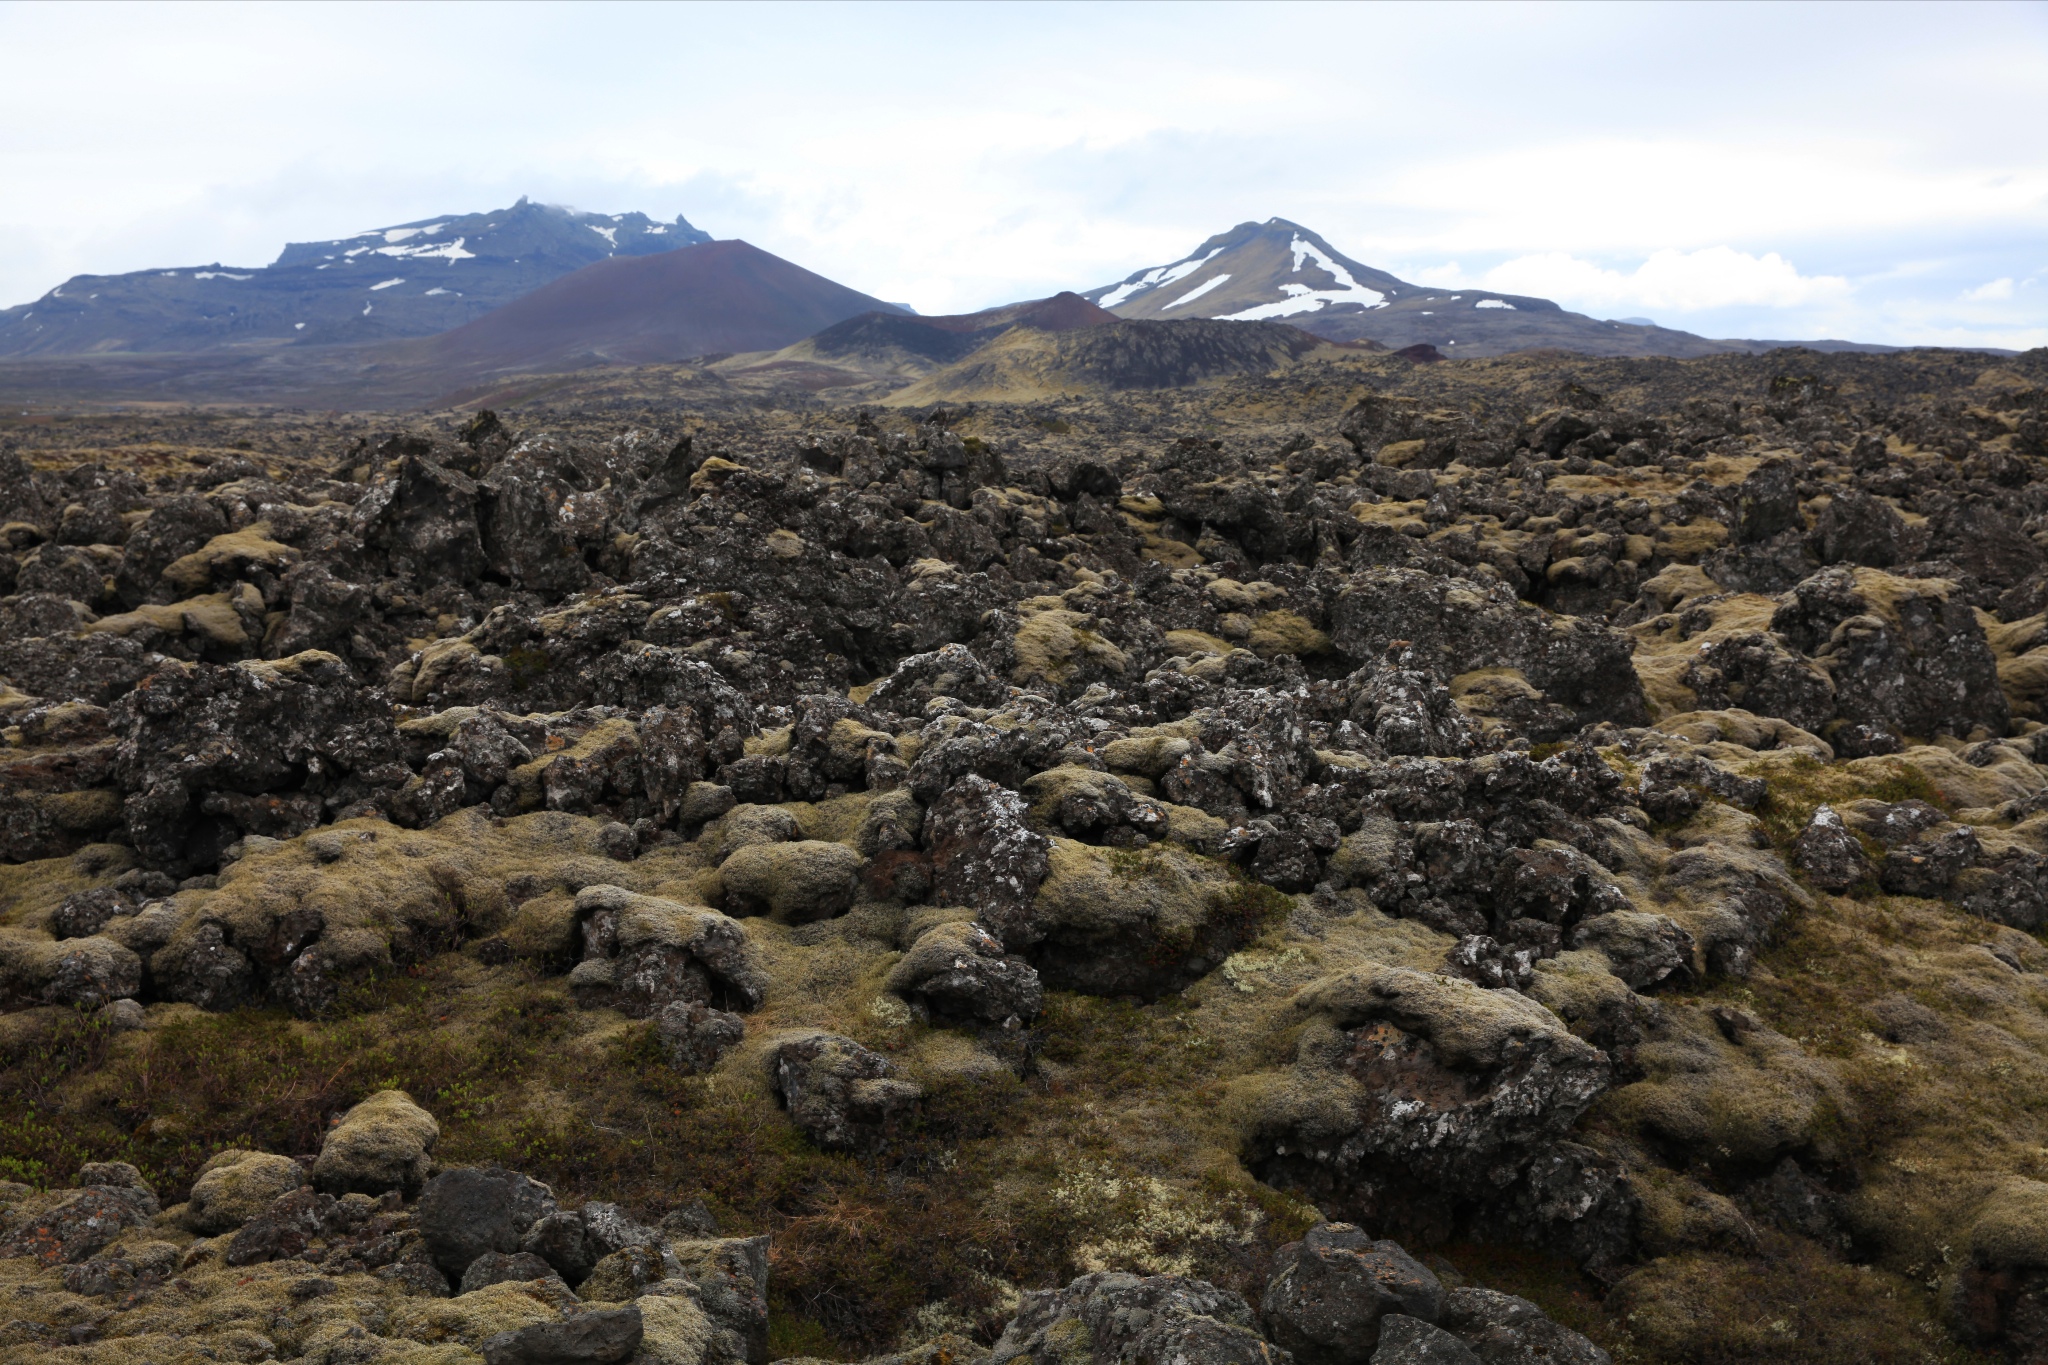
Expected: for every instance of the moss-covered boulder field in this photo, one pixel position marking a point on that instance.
(1532, 859)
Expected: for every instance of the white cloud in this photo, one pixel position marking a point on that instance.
(1669, 280)
(1680, 281)
(1994, 292)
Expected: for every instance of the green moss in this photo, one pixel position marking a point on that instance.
(792, 1335)
(523, 667)
(1550, 1282)
(1788, 1305)
(1249, 908)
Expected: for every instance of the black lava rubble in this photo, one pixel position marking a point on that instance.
(1477, 773)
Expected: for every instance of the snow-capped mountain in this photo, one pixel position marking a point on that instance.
(1256, 272)
(410, 279)
(1277, 271)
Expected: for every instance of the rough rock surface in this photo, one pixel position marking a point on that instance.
(1592, 806)
(1331, 1291)
(841, 1094)
(1154, 1320)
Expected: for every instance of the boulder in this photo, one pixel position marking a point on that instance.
(1135, 922)
(498, 1267)
(1454, 626)
(83, 973)
(1930, 866)
(1907, 656)
(1116, 1318)
(643, 953)
(625, 1274)
(1415, 1095)
(961, 971)
(255, 729)
(562, 1239)
(985, 853)
(731, 1275)
(793, 883)
(1411, 1341)
(235, 1186)
(1329, 1292)
(1829, 854)
(842, 1096)
(385, 1142)
(470, 1210)
(65, 1227)
(694, 1036)
(1501, 1328)
(598, 1337)
(284, 1229)
(1856, 528)
(1643, 949)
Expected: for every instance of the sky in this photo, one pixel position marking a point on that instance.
(1865, 172)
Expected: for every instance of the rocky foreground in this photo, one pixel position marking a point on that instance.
(358, 1255)
(1305, 866)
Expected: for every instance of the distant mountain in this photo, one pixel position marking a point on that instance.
(414, 279)
(1281, 271)
(709, 299)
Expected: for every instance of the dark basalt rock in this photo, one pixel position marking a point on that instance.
(694, 1035)
(1928, 868)
(1909, 658)
(1829, 854)
(842, 1096)
(1330, 1291)
(1458, 626)
(598, 1337)
(1503, 1328)
(1121, 1319)
(74, 1224)
(984, 853)
(466, 1212)
(961, 971)
(1457, 1092)
(279, 744)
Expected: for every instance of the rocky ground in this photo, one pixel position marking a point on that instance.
(1507, 860)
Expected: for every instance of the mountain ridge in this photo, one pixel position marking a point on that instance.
(407, 280)
(1279, 270)
(713, 297)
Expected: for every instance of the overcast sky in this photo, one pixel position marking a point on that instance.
(1878, 172)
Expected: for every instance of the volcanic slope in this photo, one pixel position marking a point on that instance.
(884, 346)
(714, 298)
(412, 279)
(1277, 270)
(1025, 364)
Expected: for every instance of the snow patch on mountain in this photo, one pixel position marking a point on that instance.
(450, 251)
(1302, 298)
(1204, 287)
(1155, 278)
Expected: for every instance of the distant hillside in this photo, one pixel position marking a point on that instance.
(879, 347)
(1281, 271)
(410, 280)
(708, 299)
(1024, 364)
